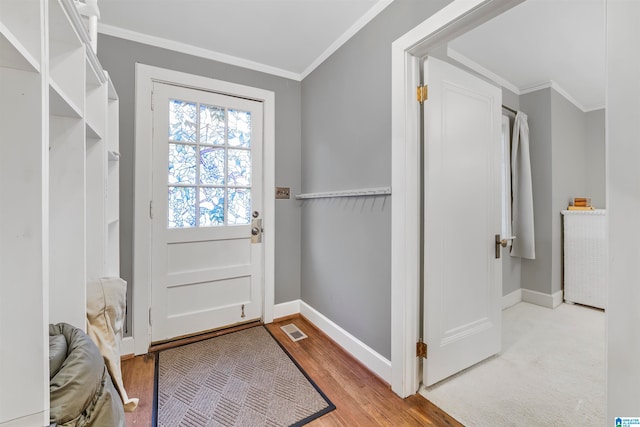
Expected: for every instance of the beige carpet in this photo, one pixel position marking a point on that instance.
(240, 379)
(550, 373)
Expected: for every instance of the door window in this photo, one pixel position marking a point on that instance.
(209, 179)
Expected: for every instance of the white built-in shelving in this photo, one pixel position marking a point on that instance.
(59, 221)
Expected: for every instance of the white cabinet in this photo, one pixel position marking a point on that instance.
(585, 257)
(59, 199)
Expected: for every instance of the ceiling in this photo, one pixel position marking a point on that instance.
(284, 37)
(534, 44)
(540, 42)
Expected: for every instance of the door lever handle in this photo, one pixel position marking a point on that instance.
(502, 242)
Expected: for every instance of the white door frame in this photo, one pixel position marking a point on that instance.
(142, 232)
(407, 53)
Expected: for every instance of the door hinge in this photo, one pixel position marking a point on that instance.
(422, 93)
(151, 100)
(421, 349)
(149, 316)
(150, 209)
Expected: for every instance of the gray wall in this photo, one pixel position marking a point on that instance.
(346, 144)
(119, 56)
(596, 157)
(570, 170)
(567, 160)
(536, 274)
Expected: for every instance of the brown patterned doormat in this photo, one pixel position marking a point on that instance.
(241, 379)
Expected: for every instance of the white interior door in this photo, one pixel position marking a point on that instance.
(207, 255)
(462, 277)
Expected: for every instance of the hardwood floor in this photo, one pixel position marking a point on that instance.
(361, 398)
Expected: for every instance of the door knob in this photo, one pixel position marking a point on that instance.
(256, 231)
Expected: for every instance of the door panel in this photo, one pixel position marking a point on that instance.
(207, 193)
(462, 278)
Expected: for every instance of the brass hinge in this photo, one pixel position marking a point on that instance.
(421, 349)
(422, 93)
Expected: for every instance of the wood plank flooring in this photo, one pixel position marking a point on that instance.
(361, 398)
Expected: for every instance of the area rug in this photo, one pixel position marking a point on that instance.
(241, 379)
(550, 372)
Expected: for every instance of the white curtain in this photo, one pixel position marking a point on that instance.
(524, 245)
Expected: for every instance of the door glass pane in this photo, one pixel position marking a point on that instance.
(239, 168)
(212, 129)
(212, 166)
(239, 128)
(182, 207)
(211, 207)
(239, 206)
(182, 121)
(182, 164)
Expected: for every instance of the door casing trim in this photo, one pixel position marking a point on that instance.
(145, 75)
(407, 52)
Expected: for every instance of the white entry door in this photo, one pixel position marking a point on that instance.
(462, 277)
(207, 255)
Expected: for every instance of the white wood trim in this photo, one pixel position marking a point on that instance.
(352, 345)
(127, 346)
(511, 298)
(552, 84)
(351, 31)
(145, 76)
(406, 51)
(175, 46)
(467, 62)
(542, 299)
(286, 309)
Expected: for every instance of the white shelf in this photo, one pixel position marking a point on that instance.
(14, 54)
(60, 104)
(92, 133)
(66, 57)
(20, 26)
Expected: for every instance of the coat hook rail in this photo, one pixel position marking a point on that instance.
(380, 191)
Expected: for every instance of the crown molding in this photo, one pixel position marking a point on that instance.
(555, 86)
(160, 42)
(498, 79)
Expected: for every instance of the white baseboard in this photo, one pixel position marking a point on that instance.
(362, 352)
(286, 309)
(545, 300)
(511, 298)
